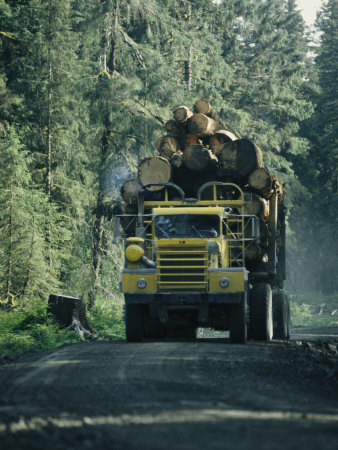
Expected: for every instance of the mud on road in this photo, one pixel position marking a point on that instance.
(204, 394)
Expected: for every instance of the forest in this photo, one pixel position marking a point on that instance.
(85, 89)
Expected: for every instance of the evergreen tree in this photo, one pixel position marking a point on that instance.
(319, 174)
(22, 246)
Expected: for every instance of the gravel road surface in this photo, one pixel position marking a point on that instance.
(204, 394)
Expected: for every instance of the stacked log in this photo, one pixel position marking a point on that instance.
(198, 148)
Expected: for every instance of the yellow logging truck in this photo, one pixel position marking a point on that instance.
(185, 267)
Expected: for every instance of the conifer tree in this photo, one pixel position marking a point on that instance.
(320, 173)
(22, 246)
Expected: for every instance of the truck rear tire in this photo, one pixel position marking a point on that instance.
(134, 323)
(280, 315)
(261, 325)
(237, 323)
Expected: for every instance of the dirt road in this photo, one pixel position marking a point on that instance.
(207, 394)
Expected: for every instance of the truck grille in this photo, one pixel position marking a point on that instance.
(182, 269)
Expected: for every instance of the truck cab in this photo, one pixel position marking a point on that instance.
(185, 264)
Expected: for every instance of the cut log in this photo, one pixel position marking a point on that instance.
(182, 114)
(198, 158)
(167, 146)
(204, 107)
(174, 127)
(70, 312)
(256, 205)
(191, 139)
(203, 178)
(202, 125)
(253, 252)
(130, 190)
(217, 141)
(263, 232)
(261, 180)
(184, 178)
(154, 170)
(176, 160)
(239, 158)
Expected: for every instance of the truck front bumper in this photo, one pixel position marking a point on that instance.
(184, 299)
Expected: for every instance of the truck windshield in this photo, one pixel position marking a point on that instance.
(187, 225)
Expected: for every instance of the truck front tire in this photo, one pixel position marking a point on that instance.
(261, 325)
(237, 323)
(134, 323)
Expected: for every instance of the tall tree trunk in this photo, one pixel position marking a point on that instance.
(188, 69)
(29, 265)
(9, 272)
(98, 227)
(49, 143)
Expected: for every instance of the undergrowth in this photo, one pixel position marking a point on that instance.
(31, 328)
(301, 316)
(108, 320)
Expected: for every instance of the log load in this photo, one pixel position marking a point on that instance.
(167, 146)
(263, 232)
(198, 149)
(198, 157)
(155, 169)
(253, 252)
(239, 158)
(182, 114)
(191, 139)
(130, 190)
(176, 160)
(202, 125)
(217, 141)
(256, 205)
(204, 107)
(261, 181)
(174, 127)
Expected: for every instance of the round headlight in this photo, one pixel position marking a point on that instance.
(141, 283)
(224, 282)
(134, 253)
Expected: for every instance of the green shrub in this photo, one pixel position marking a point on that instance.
(32, 329)
(301, 316)
(108, 321)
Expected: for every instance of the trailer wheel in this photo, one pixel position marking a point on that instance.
(237, 323)
(261, 326)
(134, 323)
(280, 315)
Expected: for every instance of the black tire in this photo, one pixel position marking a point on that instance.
(134, 323)
(280, 315)
(261, 325)
(237, 323)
